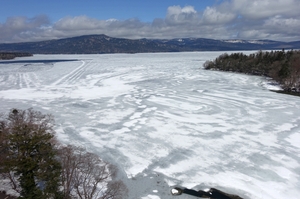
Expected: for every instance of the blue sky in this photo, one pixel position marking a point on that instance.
(35, 20)
(144, 10)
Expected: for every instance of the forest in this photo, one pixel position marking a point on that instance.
(282, 66)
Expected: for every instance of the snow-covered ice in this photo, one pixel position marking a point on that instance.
(164, 121)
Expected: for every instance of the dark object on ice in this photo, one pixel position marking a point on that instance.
(212, 193)
(3, 195)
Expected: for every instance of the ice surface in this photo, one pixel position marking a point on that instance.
(164, 121)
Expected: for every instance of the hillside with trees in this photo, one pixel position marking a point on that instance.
(282, 66)
(100, 44)
(35, 165)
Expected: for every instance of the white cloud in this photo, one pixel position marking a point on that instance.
(177, 15)
(213, 16)
(253, 34)
(275, 25)
(188, 10)
(15, 28)
(237, 19)
(177, 10)
(279, 23)
(78, 23)
(259, 9)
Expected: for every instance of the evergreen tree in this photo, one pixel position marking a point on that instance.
(29, 153)
(284, 72)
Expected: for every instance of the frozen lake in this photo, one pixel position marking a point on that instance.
(164, 121)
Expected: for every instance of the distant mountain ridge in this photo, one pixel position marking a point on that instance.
(100, 44)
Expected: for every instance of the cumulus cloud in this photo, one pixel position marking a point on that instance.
(77, 23)
(231, 19)
(213, 16)
(15, 28)
(178, 15)
(278, 23)
(260, 9)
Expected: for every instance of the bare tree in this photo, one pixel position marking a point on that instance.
(295, 66)
(115, 190)
(3, 140)
(12, 177)
(86, 176)
(6, 174)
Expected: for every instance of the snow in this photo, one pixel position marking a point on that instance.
(235, 41)
(246, 41)
(165, 122)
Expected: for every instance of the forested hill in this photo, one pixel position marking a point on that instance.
(95, 44)
(282, 66)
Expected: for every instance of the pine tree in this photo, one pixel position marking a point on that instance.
(30, 153)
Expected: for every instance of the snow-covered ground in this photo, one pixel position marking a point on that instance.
(164, 121)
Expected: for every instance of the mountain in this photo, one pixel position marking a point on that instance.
(96, 44)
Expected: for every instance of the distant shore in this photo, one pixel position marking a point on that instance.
(288, 92)
(12, 55)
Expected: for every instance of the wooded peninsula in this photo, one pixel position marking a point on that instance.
(12, 55)
(282, 66)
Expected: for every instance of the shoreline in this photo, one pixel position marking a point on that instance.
(287, 92)
(12, 55)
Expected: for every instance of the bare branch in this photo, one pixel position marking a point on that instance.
(86, 176)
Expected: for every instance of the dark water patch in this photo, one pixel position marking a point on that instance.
(37, 61)
(79, 105)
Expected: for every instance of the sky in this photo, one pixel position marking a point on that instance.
(36, 20)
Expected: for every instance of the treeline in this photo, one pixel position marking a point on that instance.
(282, 66)
(37, 166)
(12, 55)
